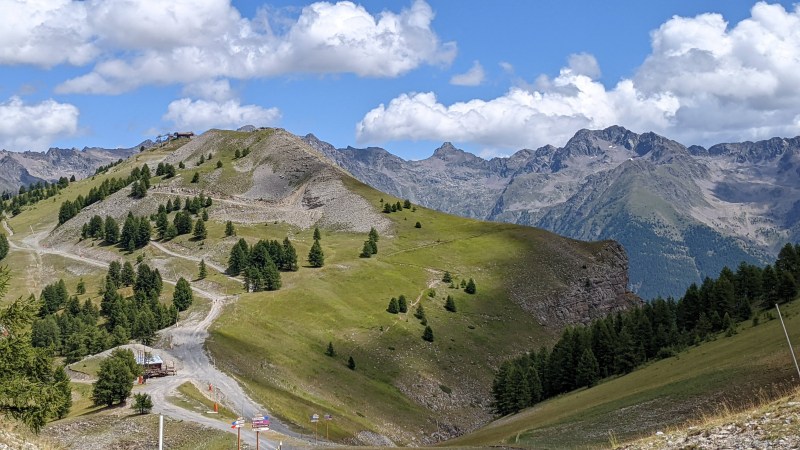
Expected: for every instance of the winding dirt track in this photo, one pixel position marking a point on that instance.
(186, 341)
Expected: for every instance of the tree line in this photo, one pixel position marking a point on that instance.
(618, 343)
(261, 264)
(32, 194)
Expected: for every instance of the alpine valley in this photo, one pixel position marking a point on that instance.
(682, 213)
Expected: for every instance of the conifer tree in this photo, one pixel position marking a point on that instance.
(202, 270)
(373, 234)
(196, 177)
(330, 351)
(204, 215)
(237, 261)
(450, 304)
(407, 204)
(387, 208)
(393, 308)
(200, 232)
(366, 251)
(127, 275)
(182, 297)
(229, 230)
(428, 334)
(317, 235)
(470, 287)
(219, 164)
(3, 246)
(289, 259)
(315, 256)
(588, 371)
(402, 304)
(351, 363)
(447, 278)
(417, 225)
(420, 312)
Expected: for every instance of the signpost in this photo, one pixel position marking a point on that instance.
(314, 420)
(259, 423)
(328, 418)
(238, 425)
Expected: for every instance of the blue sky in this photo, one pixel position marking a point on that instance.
(490, 76)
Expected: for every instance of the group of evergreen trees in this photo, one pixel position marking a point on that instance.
(262, 263)
(371, 244)
(618, 343)
(115, 378)
(183, 223)
(397, 305)
(136, 231)
(166, 170)
(241, 153)
(32, 194)
(70, 209)
(70, 329)
(394, 207)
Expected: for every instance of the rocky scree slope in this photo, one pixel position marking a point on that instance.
(681, 213)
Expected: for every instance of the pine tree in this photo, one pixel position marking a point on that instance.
(315, 256)
(289, 260)
(407, 204)
(196, 177)
(366, 251)
(417, 225)
(330, 351)
(470, 287)
(115, 378)
(182, 222)
(588, 370)
(450, 304)
(127, 275)
(204, 215)
(81, 288)
(182, 297)
(387, 208)
(351, 363)
(427, 335)
(393, 308)
(317, 235)
(237, 261)
(373, 234)
(237, 154)
(229, 230)
(420, 312)
(447, 278)
(219, 164)
(200, 232)
(402, 304)
(202, 270)
(142, 403)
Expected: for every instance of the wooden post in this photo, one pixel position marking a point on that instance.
(257, 440)
(239, 438)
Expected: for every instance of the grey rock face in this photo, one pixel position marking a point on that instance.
(681, 213)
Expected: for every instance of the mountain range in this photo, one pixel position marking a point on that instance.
(26, 168)
(682, 213)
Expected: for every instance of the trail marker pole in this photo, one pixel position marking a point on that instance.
(791, 350)
(160, 432)
(256, 439)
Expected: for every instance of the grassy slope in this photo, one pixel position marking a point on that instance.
(738, 371)
(275, 342)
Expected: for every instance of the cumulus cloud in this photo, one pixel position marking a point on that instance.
(35, 126)
(201, 115)
(134, 43)
(703, 82)
(473, 77)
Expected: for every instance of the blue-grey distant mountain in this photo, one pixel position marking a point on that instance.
(25, 168)
(681, 213)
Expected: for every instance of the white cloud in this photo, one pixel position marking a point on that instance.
(184, 41)
(201, 115)
(703, 82)
(217, 90)
(473, 77)
(35, 126)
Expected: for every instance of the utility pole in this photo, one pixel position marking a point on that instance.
(791, 350)
(160, 432)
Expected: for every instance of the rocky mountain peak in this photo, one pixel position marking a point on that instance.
(449, 152)
(755, 152)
